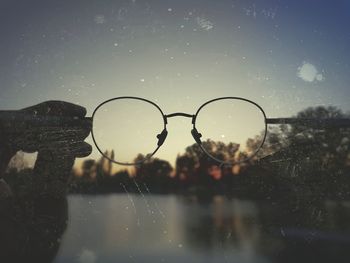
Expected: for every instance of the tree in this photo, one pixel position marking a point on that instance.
(185, 167)
(315, 155)
(326, 147)
(153, 173)
(89, 168)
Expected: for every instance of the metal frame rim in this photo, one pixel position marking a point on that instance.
(233, 98)
(148, 156)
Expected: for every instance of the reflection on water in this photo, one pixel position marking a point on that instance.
(133, 228)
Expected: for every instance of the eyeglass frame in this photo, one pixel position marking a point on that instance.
(195, 134)
(22, 119)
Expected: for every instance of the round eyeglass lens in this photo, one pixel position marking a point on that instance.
(125, 129)
(232, 129)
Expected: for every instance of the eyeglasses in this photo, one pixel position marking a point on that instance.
(229, 130)
(135, 128)
(130, 130)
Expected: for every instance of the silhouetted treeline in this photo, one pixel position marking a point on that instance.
(294, 159)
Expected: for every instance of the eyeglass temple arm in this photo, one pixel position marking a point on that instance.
(17, 116)
(312, 122)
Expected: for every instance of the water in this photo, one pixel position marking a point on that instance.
(152, 228)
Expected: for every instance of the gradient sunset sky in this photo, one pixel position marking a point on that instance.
(284, 55)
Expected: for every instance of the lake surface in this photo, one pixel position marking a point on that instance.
(169, 228)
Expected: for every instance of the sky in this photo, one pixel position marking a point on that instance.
(284, 55)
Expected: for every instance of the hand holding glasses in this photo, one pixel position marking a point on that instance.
(229, 130)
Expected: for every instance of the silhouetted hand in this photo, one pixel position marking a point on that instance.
(57, 146)
(33, 219)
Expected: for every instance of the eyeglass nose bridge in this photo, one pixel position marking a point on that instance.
(195, 134)
(182, 114)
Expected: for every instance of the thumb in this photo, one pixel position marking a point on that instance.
(51, 173)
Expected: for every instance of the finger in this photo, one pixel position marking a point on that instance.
(81, 150)
(70, 149)
(57, 108)
(54, 138)
(63, 134)
(49, 137)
